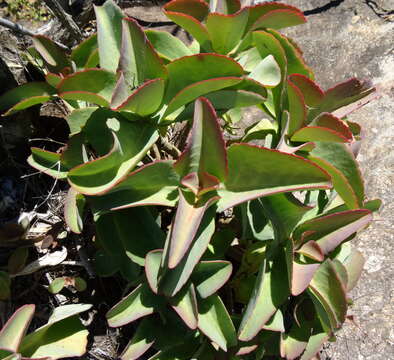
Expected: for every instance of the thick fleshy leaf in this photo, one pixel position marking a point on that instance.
(313, 94)
(279, 19)
(139, 303)
(276, 323)
(295, 341)
(225, 6)
(131, 141)
(53, 79)
(78, 118)
(339, 162)
(47, 162)
(272, 172)
(196, 8)
(297, 108)
(15, 328)
(210, 276)
(329, 121)
(267, 72)
(312, 250)
(82, 53)
(185, 305)
(215, 322)
(265, 299)
(167, 46)
(53, 55)
(327, 289)
(301, 276)
(317, 133)
(354, 264)
(153, 184)
(5, 284)
(75, 152)
(139, 61)
(205, 152)
(152, 267)
(316, 341)
(57, 285)
(174, 279)
(25, 96)
(226, 31)
(109, 33)
(145, 100)
(73, 210)
(92, 85)
(341, 95)
(331, 230)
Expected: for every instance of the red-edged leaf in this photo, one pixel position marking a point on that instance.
(312, 250)
(312, 93)
(226, 30)
(205, 152)
(152, 267)
(145, 100)
(73, 209)
(82, 53)
(297, 108)
(329, 121)
(196, 8)
(92, 85)
(47, 162)
(317, 133)
(53, 79)
(302, 275)
(256, 171)
(25, 96)
(279, 19)
(185, 305)
(139, 61)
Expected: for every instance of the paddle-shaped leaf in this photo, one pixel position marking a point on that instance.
(185, 305)
(85, 52)
(73, 210)
(47, 162)
(215, 322)
(329, 121)
(297, 108)
(317, 133)
(267, 72)
(354, 264)
(313, 94)
(256, 171)
(196, 8)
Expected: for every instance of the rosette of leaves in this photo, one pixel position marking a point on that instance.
(256, 262)
(63, 335)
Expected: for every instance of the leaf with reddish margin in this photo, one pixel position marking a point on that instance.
(312, 93)
(354, 264)
(152, 267)
(316, 341)
(210, 276)
(52, 53)
(53, 79)
(294, 342)
(205, 152)
(83, 52)
(279, 19)
(174, 279)
(47, 162)
(272, 172)
(301, 276)
(187, 221)
(25, 96)
(153, 184)
(251, 85)
(138, 61)
(329, 121)
(215, 322)
(193, 27)
(15, 328)
(339, 162)
(185, 305)
(92, 85)
(139, 303)
(297, 108)
(145, 100)
(328, 291)
(73, 209)
(317, 133)
(225, 6)
(330, 231)
(196, 8)
(226, 31)
(258, 11)
(109, 32)
(131, 141)
(265, 299)
(341, 95)
(312, 250)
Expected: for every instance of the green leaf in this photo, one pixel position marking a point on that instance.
(226, 31)
(17, 260)
(267, 72)
(80, 284)
(82, 53)
(25, 96)
(215, 322)
(109, 33)
(313, 94)
(57, 285)
(185, 305)
(195, 8)
(279, 19)
(105, 264)
(145, 100)
(225, 6)
(167, 46)
(153, 184)
(153, 261)
(47, 162)
(210, 276)
(78, 118)
(317, 133)
(354, 264)
(295, 341)
(329, 121)
(73, 210)
(5, 283)
(297, 108)
(53, 79)
(276, 323)
(15, 328)
(256, 172)
(265, 300)
(131, 141)
(327, 289)
(91, 85)
(139, 303)
(340, 163)
(139, 61)
(316, 341)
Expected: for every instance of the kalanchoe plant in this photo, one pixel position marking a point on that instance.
(63, 336)
(256, 263)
